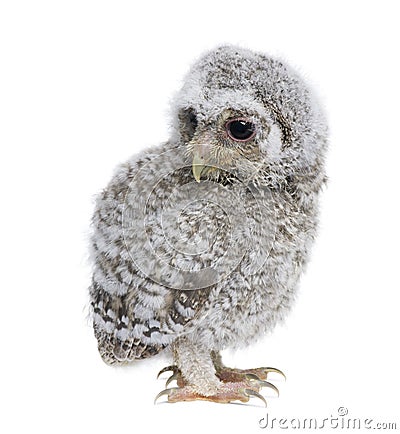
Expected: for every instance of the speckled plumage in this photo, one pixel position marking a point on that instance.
(205, 266)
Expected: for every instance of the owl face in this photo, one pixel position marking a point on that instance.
(245, 114)
(226, 142)
(223, 143)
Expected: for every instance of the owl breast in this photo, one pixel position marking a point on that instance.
(173, 256)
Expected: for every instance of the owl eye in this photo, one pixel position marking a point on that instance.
(240, 130)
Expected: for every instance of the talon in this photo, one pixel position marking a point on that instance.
(251, 392)
(165, 392)
(262, 383)
(253, 377)
(172, 368)
(278, 371)
(173, 377)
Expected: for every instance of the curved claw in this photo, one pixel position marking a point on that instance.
(173, 377)
(269, 385)
(253, 377)
(251, 392)
(172, 368)
(261, 383)
(278, 371)
(165, 392)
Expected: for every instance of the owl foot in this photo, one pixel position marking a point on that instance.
(227, 392)
(226, 374)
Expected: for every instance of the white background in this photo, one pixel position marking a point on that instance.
(85, 84)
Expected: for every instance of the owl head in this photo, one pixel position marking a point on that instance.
(241, 113)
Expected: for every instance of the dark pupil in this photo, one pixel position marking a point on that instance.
(241, 130)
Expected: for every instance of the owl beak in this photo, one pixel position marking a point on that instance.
(197, 167)
(199, 162)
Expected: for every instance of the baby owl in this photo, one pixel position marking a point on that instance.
(198, 244)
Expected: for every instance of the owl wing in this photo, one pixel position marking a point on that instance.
(133, 316)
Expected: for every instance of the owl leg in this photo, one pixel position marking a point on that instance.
(197, 380)
(195, 366)
(226, 374)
